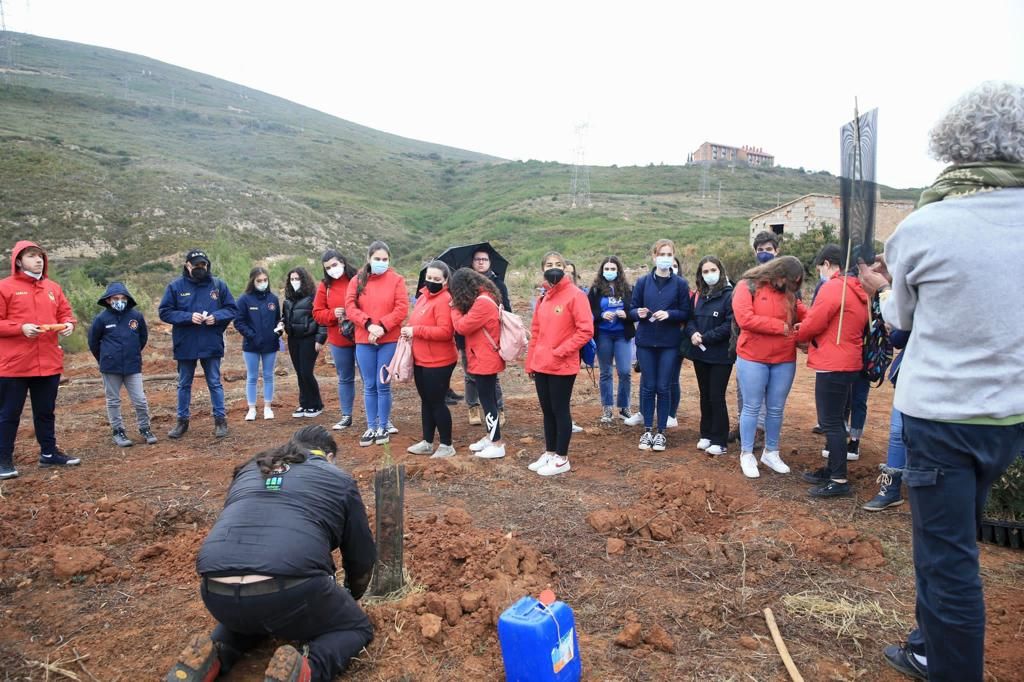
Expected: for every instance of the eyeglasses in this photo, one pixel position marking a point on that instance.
(485, 259)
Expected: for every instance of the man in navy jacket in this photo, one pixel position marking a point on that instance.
(200, 307)
(116, 339)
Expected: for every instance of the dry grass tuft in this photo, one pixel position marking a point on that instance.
(844, 616)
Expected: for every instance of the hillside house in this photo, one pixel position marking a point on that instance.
(811, 211)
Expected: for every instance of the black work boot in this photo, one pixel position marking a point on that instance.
(179, 429)
(220, 427)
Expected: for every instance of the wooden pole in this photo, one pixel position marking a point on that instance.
(780, 645)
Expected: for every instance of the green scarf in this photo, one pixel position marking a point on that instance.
(965, 179)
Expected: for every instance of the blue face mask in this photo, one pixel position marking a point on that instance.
(664, 262)
(378, 267)
(611, 275)
(764, 256)
(119, 306)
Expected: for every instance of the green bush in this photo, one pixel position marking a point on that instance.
(1006, 500)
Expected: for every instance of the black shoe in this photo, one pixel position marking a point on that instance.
(818, 476)
(7, 470)
(220, 427)
(179, 429)
(452, 395)
(733, 436)
(831, 489)
(853, 450)
(58, 459)
(817, 429)
(901, 658)
(121, 439)
(147, 433)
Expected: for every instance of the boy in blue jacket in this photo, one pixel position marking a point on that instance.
(199, 307)
(116, 339)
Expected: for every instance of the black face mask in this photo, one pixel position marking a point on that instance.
(434, 287)
(200, 274)
(781, 287)
(553, 276)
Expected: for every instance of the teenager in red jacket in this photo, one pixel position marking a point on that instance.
(33, 312)
(767, 311)
(476, 316)
(562, 324)
(376, 303)
(434, 356)
(329, 311)
(836, 355)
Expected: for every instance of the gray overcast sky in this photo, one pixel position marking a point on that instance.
(654, 79)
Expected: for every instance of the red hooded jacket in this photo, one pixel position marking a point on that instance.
(324, 303)
(382, 302)
(822, 324)
(24, 300)
(762, 317)
(433, 336)
(481, 355)
(562, 324)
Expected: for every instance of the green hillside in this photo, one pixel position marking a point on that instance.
(118, 163)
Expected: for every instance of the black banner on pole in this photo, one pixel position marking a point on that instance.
(858, 188)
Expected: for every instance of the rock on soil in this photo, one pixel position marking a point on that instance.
(630, 637)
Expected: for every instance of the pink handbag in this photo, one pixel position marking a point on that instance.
(400, 368)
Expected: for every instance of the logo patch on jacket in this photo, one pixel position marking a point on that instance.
(214, 295)
(271, 306)
(184, 293)
(558, 310)
(133, 324)
(52, 297)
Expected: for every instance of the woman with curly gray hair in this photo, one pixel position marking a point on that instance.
(963, 368)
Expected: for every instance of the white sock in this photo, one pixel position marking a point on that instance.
(923, 660)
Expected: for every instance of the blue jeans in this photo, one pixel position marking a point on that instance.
(763, 383)
(950, 470)
(857, 407)
(657, 370)
(896, 457)
(186, 372)
(376, 396)
(611, 346)
(675, 392)
(252, 375)
(345, 366)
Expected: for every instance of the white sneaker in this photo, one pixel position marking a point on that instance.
(636, 420)
(703, 444)
(606, 416)
(541, 461)
(748, 463)
(391, 427)
(421, 448)
(554, 466)
(299, 413)
(715, 450)
(480, 444)
(576, 428)
(443, 451)
(250, 416)
(773, 461)
(671, 423)
(267, 412)
(492, 451)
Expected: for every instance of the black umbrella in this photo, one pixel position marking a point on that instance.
(457, 257)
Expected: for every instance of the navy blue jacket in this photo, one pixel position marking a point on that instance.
(117, 339)
(258, 314)
(671, 294)
(185, 296)
(712, 317)
(899, 340)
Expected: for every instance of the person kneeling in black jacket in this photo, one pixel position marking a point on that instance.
(267, 570)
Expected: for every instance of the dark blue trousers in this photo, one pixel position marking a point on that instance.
(318, 612)
(43, 393)
(950, 470)
(659, 367)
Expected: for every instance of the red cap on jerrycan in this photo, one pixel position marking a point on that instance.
(547, 597)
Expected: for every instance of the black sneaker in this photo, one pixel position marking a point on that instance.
(900, 657)
(660, 442)
(818, 476)
(381, 436)
(831, 489)
(817, 429)
(367, 437)
(853, 450)
(646, 441)
(312, 412)
(121, 439)
(58, 459)
(147, 433)
(452, 398)
(299, 412)
(343, 423)
(7, 471)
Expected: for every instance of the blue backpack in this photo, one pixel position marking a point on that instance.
(588, 354)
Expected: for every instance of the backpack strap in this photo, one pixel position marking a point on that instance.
(495, 347)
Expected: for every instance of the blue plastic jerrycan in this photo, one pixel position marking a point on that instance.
(538, 642)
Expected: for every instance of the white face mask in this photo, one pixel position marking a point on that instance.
(33, 275)
(336, 272)
(711, 278)
(296, 285)
(261, 286)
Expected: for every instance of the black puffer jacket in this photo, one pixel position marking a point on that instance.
(299, 322)
(712, 317)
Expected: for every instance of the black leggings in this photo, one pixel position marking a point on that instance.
(304, 353)
(712, 381)
(554, 392)
(432, 384)
(487, 387)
